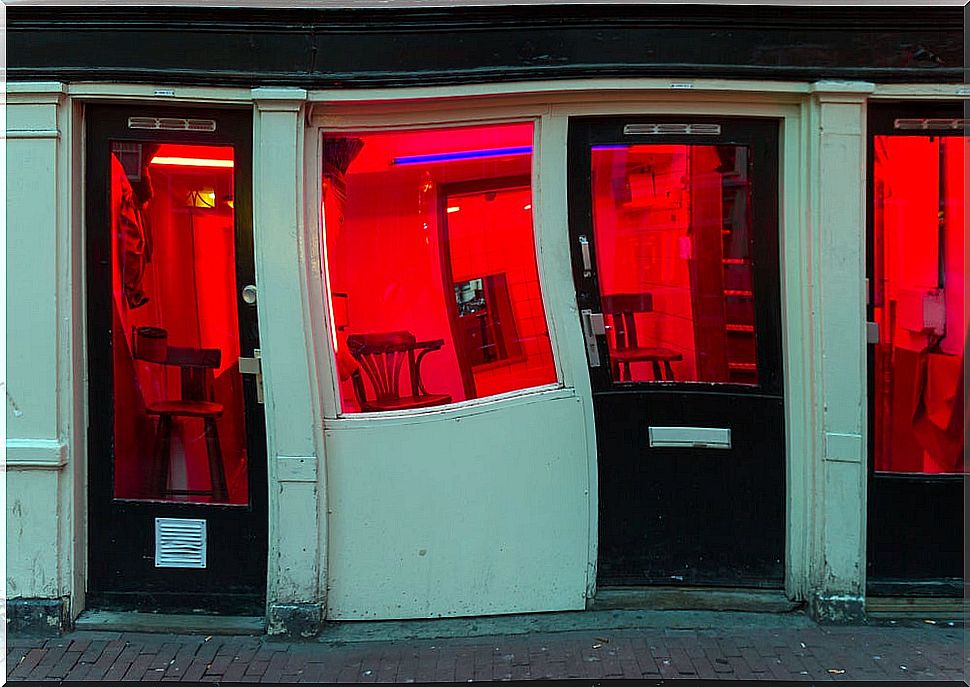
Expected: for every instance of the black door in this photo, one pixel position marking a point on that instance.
(674, 232)
(918, 343)
(177, 458)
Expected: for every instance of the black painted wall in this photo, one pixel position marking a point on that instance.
(336, 48)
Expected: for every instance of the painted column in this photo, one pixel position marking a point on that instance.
(295, 595)
(839, 561)
(40, 468)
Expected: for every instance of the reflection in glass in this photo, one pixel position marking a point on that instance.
(918, 298)
(179, 425)
(429, 244)
(672, 228)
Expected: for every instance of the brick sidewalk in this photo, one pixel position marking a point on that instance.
(808, 652)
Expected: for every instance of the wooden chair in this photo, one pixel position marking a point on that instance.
(623, 308)
(381, 357)
(196, 365)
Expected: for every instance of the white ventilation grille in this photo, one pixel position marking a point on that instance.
(179, 543)
(703, 129)
(171, 124)
(931, 124)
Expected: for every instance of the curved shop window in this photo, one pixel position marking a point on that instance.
(431, 266)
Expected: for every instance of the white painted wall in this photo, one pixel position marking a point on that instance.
(460, 512)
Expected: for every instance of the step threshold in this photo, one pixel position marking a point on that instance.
(694, 599)
(170, 623)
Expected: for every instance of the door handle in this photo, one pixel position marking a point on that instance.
(587, 259)
(593, 326)
(254, 366)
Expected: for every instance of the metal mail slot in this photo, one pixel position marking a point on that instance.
(690, 437)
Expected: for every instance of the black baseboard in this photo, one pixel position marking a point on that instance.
(181, 602)
(38, 617)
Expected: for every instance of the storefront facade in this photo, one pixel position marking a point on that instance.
(339, 315)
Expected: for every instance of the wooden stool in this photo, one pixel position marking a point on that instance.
(167, 411)
(655, 356)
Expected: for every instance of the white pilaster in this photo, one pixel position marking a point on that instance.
(839, 226)
(39, 462)
(297, 494)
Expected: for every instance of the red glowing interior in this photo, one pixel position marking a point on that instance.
(918, 296)
(179, 419)
(672, 230)
(442, 252)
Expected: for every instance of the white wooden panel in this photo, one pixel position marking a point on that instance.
(31, 286)
(470, 514)
(32, 534)
(844, 522)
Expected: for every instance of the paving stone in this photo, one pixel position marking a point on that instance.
(93, 651)
(51, 656)
(681, 661)
(16, 655)
(104, 663)
(60, 669)
(704, 668)
(121, 664)
(139, 667)
(78, 671)
(27, 664)
(153, 675)
(754, 660)
(196, 669)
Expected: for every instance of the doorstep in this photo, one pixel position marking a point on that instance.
(170, 623)
(694, 599)
(946, 611)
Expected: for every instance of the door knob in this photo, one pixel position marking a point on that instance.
(249, 294)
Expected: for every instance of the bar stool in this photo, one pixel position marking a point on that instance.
(150, 344)
(167, 412)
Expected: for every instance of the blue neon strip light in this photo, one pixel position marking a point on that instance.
(610, 147)
(461, 155)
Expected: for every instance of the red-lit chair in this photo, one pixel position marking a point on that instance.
(381, 357)
(623, 308)
(196, 365)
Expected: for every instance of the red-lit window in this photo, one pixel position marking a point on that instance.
(672, 229)
(179, 418)
(918, 298)
(431, 265)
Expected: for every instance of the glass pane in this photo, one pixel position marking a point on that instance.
(179, 427)
(919, 289)
(430, 257)
(672, 230)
